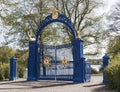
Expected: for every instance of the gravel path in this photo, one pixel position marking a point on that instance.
(53, 86)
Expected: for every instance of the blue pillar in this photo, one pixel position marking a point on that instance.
(13, 68)
(105, 64)
(78, 62)
(32, 62)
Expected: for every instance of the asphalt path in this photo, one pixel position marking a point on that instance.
(21, 85)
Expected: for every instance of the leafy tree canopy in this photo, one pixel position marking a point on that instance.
(114, 46)
(24, 16)
(5, 54)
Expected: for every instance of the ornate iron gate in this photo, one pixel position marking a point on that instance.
(56, 62)
(49, 64)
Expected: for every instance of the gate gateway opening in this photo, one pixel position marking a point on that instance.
(56, 62)
(43, 65)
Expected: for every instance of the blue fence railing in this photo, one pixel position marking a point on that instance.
(87, 71)
(55, 47)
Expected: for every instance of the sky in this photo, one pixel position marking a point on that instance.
(106, 8)
(1, 38)
(109, 4)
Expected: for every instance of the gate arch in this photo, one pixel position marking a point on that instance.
(62, 19)
(48, 20)
(79, 63)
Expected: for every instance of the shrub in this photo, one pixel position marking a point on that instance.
(93, 71)
(21, 71)
(113, 74)
(1, 72)
(1, 75)
(6, 71)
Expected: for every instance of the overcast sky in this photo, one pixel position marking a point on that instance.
(108, 4)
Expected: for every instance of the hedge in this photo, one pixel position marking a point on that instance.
(113, 74)
(4, 71)
(94, 71)
(20, 71)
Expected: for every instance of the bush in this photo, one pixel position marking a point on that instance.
(1, 75)
(1, 72)
(6, 71)
(21, 71)
(113, 74)
(93, 71)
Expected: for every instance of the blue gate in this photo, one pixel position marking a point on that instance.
(56, 62)
(44, 65)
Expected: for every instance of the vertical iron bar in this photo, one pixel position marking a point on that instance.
(55, 63)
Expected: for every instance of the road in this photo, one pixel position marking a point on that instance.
(21, 85)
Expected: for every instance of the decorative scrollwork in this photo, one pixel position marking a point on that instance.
(56, 17)
(46, 62)
(64, 61)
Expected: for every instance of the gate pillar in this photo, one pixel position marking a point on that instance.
(78, 61)
(13, 68)
(105, 64)
(32, 62)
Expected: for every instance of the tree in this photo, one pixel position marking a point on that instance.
(22, 57)
(81, 13)
(27, 15)
(114, 30)
(113, 21)
(114, 46)
(23, 17)
(5, 54)
(114, 18)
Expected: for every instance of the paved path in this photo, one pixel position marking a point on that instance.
(53, 86)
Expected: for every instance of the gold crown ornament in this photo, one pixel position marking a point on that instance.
(64, 61)
(46, 62)
(55, 14)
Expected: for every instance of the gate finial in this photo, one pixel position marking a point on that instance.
(55, 14)
(30, 37)
(78, 34)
